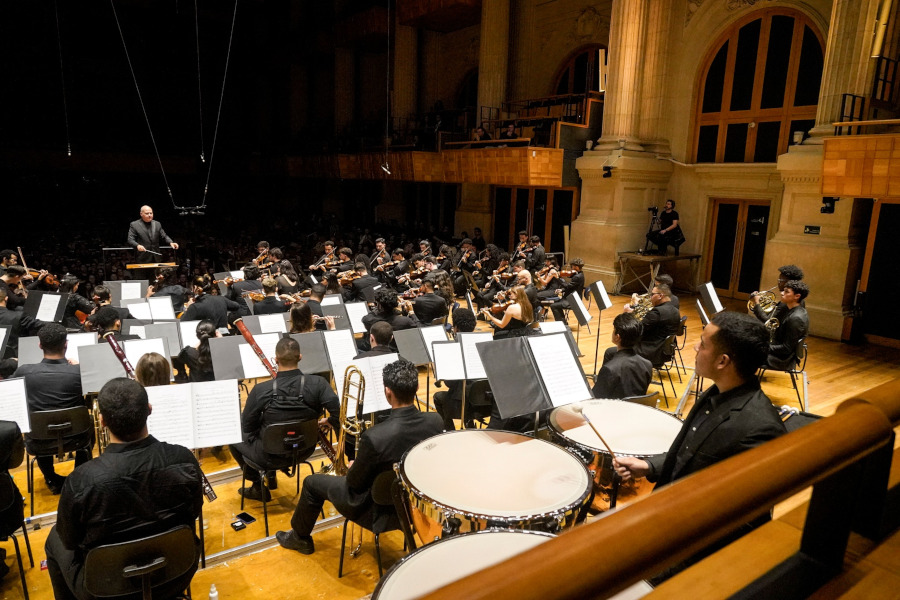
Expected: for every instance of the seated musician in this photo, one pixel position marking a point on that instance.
(316, 294)
(732, 416)
(271, 304)
(325, 261)
(465, 263)
(7, 259)
(662, 321)
(515, 318)
(103, 298)
(12, 453)
(625, 373)
(51, 384)
(444, 259)
(496, 282)
(380, 446)
(447, 403)
(380, 256)
(428, 306)
(661, 279)
(197, 356)
(288, 280)
(424, 247)
(167, 285)
(9, 283)
(237, 289)
(206, 305)
(522, 250)
(355, 291)
(153, 369)
(487, 262)
(345, 261)
(303, 320)
(16, 323)
(76, 303)
(107, 322)
(792, 327)
(575, 285)
(548, 279)
(386, 304)
(400, 267)
(537, 256)
(523, 278)
(138, 487)
(380, 338)
(291, 396)
(785, 273)
(443, 286)
(262, 252)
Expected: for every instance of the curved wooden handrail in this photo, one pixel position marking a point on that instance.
(885, 397)
(643, 538)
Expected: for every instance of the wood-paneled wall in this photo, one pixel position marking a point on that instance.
(865, 166)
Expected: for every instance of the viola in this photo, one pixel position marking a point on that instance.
(500, 307)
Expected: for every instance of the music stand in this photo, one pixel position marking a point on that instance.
(598, 292)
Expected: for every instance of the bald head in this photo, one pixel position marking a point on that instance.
(146, 213)
(523, 277)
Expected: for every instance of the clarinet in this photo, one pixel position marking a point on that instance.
(324, 442)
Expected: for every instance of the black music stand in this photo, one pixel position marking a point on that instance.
(598, 292)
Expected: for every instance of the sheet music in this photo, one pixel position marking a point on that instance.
(559, 369)
(188, 332)
(161, 308)
(372, 368)
(581, 308)
(135, 349)
(78, 339)
(236, 274)
(355, 312)
(3, 331)
(604, 300)
(171, 420)
(713, 297)
(431, 334)
(14, 403)
(448, 361)
(48, 307)
(138, 330)
(314, 280)
(141, 311)
(217, 413)
(341, 350)
(130, 290)
(553, 327)
(331, 300)
(253, 367)
(272, 323)
(474, 368)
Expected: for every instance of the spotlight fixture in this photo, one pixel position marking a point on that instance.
(828, 204)
(386, 168)
(607, 172)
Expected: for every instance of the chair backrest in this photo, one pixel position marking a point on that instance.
(683, 325)
(651, 400)
(290, 437)
(7, 497)
(439, 320)
(118, 569)
(60, 423)
(479, 394)
(801, 353)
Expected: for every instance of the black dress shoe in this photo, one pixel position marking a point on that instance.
(292, 541)
(254, 492)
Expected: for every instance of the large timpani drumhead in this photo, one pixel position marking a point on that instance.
(494, 475)
(629, 429)
(448, 560)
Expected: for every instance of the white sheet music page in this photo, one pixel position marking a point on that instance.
(139, 331)
(559, 369)
(553, 326)
(448, 361)
(140, 310)
(3, 331)
(172, 419)
(75, 340)
(47, 309)
(188, 331)
(131, 290)
(331, 300)
(356, 311)
(714, 297)
(431, 334)
(217, 413)
(236, 274)
(135, 349)
(341, 350)
(253, 367)
(161, 308)
(272, 323)
(471, 358)
(372, 369)
(14, 403)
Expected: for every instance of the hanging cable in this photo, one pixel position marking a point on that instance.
(199, 83)
(212, 150)
(141, 99)
(387, 95)
(62, 77)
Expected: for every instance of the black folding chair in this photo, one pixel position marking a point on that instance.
(69, 429)
(8, 497)
(377, 521)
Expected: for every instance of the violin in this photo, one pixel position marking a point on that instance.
(500, 307)
(383, 266)
(347, 277)
(567, 273)
(227, 280)
(49, 278)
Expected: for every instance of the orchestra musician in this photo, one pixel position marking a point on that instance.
(16, 323)
(487, 262)
(385, 310)
(428, 306)
(496, 282)
(662, 321)
(521, 251)
(516, 317)
(345, 261)
(356, 290)
(107, 322)
(262, 251)
(271, 304)
(785, 273)
(237, 289)
(326, 261)
(10, 283)
(380, 256)
(447, 403)
(536, 258)
(303, 320)
(103, 298)
(152, 369)
(575, 285)
(399, 266)
(444, 259)
(626, 373)
(7, 258)
(197, 356)
(75, 303)
(549, 279)
(167, 285)
(793, 326)
(205, 305)
(288, 280)
(465, 263)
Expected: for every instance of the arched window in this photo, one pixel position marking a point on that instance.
(581, 72)
(759, 84)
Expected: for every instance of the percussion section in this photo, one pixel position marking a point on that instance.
(472, 480)
(445, 561)
(629, 429)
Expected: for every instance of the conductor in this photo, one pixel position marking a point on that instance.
(144, 236)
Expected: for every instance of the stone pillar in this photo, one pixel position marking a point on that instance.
(653, 113)
(521, 50)
(406, 71)
(344, 92)
(847, 68)
(493, 55)
(622, 106)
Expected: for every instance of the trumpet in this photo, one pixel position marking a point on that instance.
(767, 301)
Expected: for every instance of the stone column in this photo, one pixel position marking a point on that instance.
(406, 71)
(493, 55)
(622, 105)
(344, 92)
(848, 68)
(653, 81)
(521, 50)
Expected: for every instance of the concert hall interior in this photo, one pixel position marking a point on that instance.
(727, 150)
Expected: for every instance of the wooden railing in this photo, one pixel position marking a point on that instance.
(677, 521)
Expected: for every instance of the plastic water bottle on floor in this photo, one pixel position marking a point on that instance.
(213, 592)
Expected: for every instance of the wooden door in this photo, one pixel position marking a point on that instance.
(879, 284)
(737, 244)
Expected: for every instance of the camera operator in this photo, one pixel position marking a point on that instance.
(669, 232)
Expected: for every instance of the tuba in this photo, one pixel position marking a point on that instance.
(354, 389)
(767, 302)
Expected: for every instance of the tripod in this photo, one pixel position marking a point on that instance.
(655, 225)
